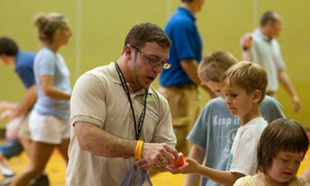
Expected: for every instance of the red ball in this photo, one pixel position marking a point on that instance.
(180, 162)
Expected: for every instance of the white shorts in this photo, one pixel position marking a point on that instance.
(48, 129)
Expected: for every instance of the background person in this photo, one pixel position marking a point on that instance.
(306, 174)
(244, 85)
(262, 48)
(17, 136)
(48, 122)
(179, 84)
(215, 128)
(281, 148)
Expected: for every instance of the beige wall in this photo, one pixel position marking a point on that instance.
(100, 26)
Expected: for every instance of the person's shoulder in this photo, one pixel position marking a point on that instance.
(258, 122)
(246, 180)
(157, 100)
(180, 18)
(45, 50)
(258, 37)
(27, 53)
(256, 33)
(45, 53)
(25, 59)
(297, 181)
(269, 101)
(102, 71)
(97, 76)
(215, 104)
(155, 93)
(275, 43)
(179, 22)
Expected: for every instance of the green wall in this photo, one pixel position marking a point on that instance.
(99, 28)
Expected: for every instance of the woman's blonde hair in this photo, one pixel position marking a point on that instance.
(48, 25)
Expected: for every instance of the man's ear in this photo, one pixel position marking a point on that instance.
(128, 51)
(4, 58)
(257, 96)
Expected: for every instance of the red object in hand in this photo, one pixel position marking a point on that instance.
(180, 162)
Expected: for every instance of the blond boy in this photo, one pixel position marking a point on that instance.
(244, 85)
(215, 128)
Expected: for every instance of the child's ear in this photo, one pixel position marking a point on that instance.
(257, 96)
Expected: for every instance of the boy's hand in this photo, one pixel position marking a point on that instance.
(191, 166)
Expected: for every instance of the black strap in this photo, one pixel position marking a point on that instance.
(139, 126)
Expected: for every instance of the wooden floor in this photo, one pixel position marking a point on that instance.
(56, 171)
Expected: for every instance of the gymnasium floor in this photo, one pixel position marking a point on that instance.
(56, 171)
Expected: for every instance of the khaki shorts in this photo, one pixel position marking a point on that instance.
(48, 129)
(23, 130)
(185, 108)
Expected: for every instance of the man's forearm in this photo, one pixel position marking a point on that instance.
(97, 141)
(286, 83)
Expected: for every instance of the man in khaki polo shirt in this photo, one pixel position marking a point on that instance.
(118, 119)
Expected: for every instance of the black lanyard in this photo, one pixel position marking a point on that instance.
(139, 127)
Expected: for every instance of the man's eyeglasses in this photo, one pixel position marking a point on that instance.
(153, 63)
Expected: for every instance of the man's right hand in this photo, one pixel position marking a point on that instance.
(159, 154)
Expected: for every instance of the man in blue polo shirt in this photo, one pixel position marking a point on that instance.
(179, 83)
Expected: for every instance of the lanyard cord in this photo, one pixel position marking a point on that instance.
(139, 127)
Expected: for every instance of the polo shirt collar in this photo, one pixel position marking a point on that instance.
(264, 37)
(116, 80)
(187, 12)
(17, 57)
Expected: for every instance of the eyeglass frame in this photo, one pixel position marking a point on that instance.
(164, 64)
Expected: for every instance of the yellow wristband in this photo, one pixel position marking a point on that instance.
(137, 150)
(140, 150)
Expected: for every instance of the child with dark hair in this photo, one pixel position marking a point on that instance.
(281, 148)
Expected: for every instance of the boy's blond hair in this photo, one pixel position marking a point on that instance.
(247, 75)
(213, 66)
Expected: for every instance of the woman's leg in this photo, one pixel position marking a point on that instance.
(41, 153)
(63, 149)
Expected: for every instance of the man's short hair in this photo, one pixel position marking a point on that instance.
(269, 16)
(147, 32)
(8, 46)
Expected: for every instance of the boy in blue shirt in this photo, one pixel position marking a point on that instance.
(17, 132)
(244, 85)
